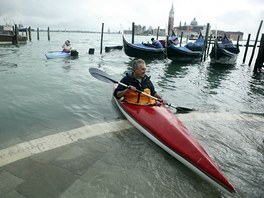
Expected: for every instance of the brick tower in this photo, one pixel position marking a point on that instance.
(171, 21)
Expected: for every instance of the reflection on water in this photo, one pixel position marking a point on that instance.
(258, 77)
(176, 69)
(6, 66)
(176, 76)
(216, 73)
(256, 92)
(256, 85)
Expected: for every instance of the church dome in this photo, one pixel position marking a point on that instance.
(194, 22)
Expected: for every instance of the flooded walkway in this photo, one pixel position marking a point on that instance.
(114, 159)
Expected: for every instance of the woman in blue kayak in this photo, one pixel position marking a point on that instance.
(67, 46)
(137, 80)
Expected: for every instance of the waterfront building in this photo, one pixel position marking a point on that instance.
(192, 31)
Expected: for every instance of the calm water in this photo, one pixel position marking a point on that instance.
(41, 97)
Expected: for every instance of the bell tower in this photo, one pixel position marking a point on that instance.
(171, 21)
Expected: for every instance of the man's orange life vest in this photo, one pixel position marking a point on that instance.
(138, 98)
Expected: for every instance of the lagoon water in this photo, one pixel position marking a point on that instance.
(40, 97)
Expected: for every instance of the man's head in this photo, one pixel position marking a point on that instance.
(139, 68)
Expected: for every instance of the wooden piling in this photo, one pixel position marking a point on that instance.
(181, 39)
(209, 45)
(15, 37)
(157, 33)
(48, 34)
(246, 50)
(166, 46)
(91, 51)
(206, 39)
(238, 40)
(133, 31)
(38, 33)
(260, 58)
(29, 33)
(254, 47)
(102, 34)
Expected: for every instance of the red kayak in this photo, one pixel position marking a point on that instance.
(166, 130)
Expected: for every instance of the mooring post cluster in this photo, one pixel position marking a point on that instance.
(208, 39)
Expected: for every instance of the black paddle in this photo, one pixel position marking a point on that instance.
(101, 75)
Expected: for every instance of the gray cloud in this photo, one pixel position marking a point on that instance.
(89, 14)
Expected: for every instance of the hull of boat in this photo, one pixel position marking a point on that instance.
(183, 54)
(168, 132)
(142, 51)
(225, 52)
(223, 56)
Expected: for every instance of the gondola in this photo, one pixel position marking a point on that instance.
(198, 45)
(191, 52)
(225, 52)
(183, 54)
(142, 50)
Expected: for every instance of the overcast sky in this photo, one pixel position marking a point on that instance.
(229, 15)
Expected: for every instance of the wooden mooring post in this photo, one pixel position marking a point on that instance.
(260, 58)
(102, 35)
(133, 31)
(166, 45)
(206, 41)
(246, 50)
(91, 51)
(38, 33)
(254, 47)
(238, 37)
(208, 48)
(15, 37)
(157, 38)
(29, 33)
(48, 34)
(181, 39)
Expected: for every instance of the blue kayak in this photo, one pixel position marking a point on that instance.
(61, 54)
(57, 55)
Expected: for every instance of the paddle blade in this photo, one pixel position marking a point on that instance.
(181, 109)
(100, 75)
(184, 110)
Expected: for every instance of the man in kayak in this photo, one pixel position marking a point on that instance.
(137, 80)
(67, 46)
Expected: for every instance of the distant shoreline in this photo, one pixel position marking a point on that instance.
(75, 31)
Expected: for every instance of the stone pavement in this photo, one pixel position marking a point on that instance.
(51, 173)
(113, 162)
